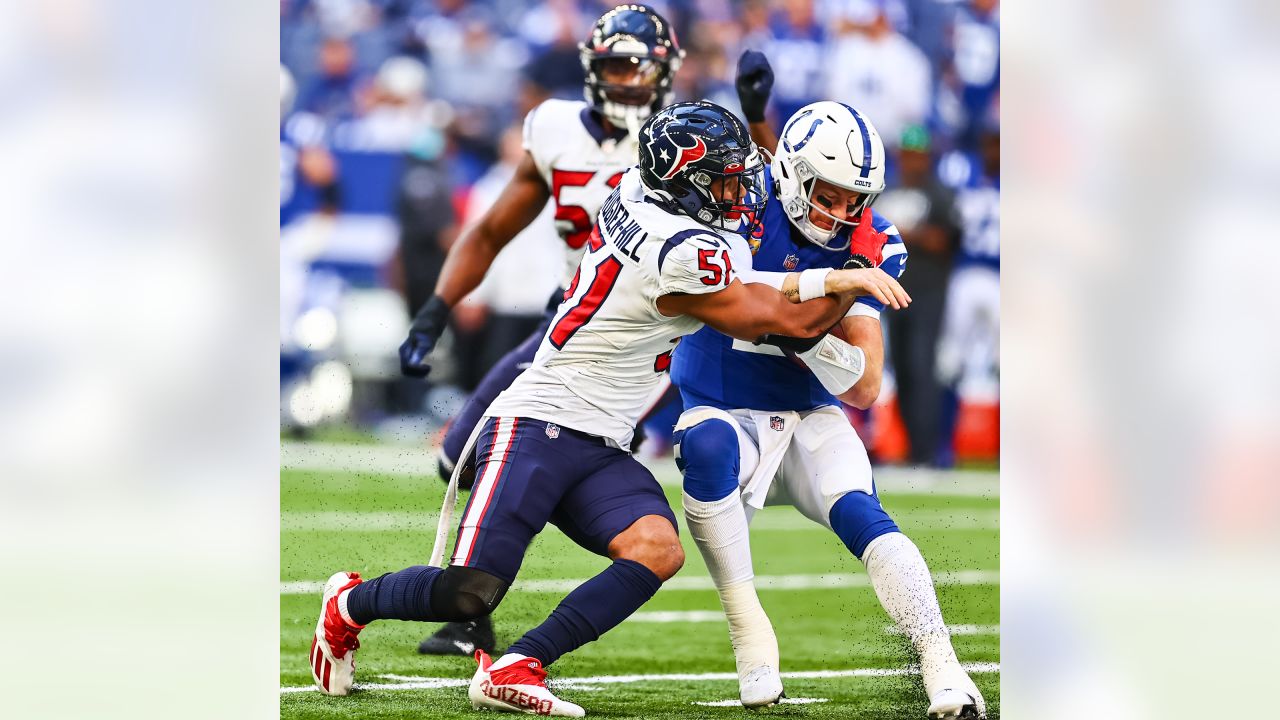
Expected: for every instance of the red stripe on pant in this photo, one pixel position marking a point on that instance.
(493, 489)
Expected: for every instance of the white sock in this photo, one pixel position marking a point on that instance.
(506, 660)
(903, 584)
(720, 530)
(342, 609)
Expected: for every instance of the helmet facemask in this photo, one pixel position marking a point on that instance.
(704, 198)
(627, 89)
(797, 171)
(629, 59)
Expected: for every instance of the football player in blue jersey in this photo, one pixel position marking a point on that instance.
(760, 428)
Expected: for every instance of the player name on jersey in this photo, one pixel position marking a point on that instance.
(624, 232)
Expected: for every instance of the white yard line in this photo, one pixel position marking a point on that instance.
(783, 701)
(417, 461)
(338, 520)
(677, 616)
(696, 582)
(352, 458)
(409, 682)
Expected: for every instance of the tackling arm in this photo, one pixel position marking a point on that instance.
(749, 311)
(857, 281)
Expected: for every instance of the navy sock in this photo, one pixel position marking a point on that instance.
(404, 595)
(591, 610)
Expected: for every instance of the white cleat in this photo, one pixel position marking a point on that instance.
(516, 683)
(333, 647)
(759, 687)
(950, 704)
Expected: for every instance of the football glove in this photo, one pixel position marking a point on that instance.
(788, 343)
(424, 333)
(754, 83)
(866, 246)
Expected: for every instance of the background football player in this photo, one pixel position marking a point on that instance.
(553, 446)
(575, 154)
(760, 428)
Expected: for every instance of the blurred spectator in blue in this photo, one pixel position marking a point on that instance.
(923, 210)
(331, 95)
(930, 28)
(394, 112)
(876, 69)
(975, 69)
(795, 48)
(706, 74)
(554, 30)
(306, 165)
(478, 73)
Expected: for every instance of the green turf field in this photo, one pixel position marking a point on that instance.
(826, 616)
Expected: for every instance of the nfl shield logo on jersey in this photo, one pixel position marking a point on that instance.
(553, 431)
(790, 262)
(775, 423)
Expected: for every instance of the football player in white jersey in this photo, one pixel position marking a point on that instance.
(552, 447)
(575, 154)
(760, 430)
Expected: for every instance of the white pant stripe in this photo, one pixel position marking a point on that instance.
(482, 493)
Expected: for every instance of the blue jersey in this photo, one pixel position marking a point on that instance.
(711, 368)
(978, 204)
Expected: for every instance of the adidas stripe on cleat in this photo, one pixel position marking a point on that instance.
(334, 645)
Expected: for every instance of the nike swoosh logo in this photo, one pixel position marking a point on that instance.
(465, 647)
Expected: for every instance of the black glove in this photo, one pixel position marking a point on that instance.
(425, 332)
(754, 83)
(792, 344)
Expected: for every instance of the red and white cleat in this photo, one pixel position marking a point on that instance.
(333, 647)
(516, 683)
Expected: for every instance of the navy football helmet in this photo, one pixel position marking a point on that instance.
(630, 59)
(698, 159)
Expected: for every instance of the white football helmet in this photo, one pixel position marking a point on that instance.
(833, 142)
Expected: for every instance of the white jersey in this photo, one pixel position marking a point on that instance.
(608, 345)
(580, 163)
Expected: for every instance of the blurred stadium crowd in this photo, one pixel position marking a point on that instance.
(400, 124)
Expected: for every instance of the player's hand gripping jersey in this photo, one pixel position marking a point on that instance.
(713, 369)
(609, 344)
(580, 163)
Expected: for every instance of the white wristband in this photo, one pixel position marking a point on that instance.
(813, 283)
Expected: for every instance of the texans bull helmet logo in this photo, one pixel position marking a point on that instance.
(674, 157)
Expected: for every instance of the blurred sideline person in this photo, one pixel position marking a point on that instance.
(575, 154)
(969, 350)
(873, 62)
(923, 209)
(553, 447)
